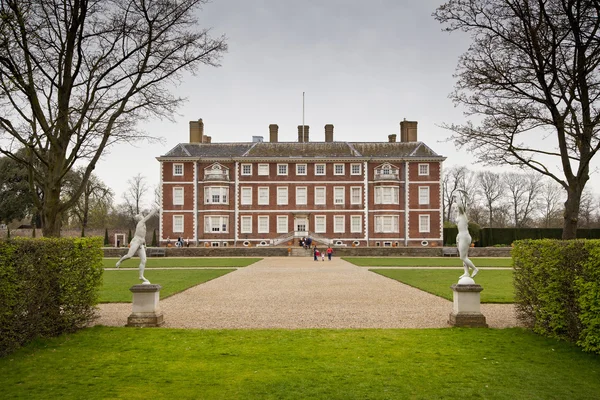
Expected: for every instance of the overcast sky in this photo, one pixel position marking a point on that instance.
(364, 66)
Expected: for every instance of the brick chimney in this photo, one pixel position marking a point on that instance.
(206, 139)
(408, 131)
(329, 133)
(196, 131)
(392, 138)
(273, 133)
(302, 135)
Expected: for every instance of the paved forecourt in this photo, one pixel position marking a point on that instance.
(297, 292)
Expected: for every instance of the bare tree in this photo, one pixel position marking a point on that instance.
(452, 181)
(532, 79)
(76, 76)
(134, 195)
(478, 214)
(550, 199)
(587, 211)
(95, 194)
(455, 179)
(523, 190)
(492, 192)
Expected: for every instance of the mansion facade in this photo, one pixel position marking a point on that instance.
(270, 193)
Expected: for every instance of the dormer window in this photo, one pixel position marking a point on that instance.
(387, 172)
(216, 172)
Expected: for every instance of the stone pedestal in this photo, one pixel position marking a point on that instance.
(146, 312)
(466, 311)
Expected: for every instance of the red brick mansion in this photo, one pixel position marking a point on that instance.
(269, 193)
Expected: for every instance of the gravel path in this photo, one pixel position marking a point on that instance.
(295, 292)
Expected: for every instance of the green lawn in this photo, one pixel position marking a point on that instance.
(166, 262)
(497, 284)
(128, 363)
(427, 261)
(116, 284)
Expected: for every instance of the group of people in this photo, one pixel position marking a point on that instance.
(179, 242)
(305, 242)
(317, 253)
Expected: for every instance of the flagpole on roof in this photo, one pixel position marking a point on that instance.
(303, 136)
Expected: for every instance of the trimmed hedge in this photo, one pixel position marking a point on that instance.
(557, 286)
(48, 287)
(451, 232)
(492, 236)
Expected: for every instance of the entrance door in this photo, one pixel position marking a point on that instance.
(301, 224)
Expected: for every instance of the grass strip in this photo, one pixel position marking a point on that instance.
(128, 363)
(497, 284)
(116, 284)
(427, 261)
(167, 262)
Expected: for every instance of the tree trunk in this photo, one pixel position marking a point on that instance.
(51, 214)
(571, 213)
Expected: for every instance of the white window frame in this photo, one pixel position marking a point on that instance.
(263, 169)
(175, 167)
(320, 224)
(354, 226)
(339, 195)
(281, 168)
(246, 169)
(353, 166)
(381, 197)
(341, 166)
(423, 169)
(298, 166)
(281, 221)
(424, 223)
(301, 199)
(319, 189)
(262, 190)
(282, 195)
(339, 223)
(246, 224)
(263, 224)
(423, 195)
(222, 220)
(384, 221)
(317, 166)
(210, 191)
(178, 224)
(246, 196)
(178, 199)
(354, 196)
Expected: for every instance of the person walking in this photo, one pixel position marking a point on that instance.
(329, 253)
(316, 253)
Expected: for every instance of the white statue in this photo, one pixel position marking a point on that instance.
(138, 244)
(463, 239)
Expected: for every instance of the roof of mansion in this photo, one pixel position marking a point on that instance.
(278, 150)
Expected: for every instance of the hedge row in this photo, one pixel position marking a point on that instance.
(497, 236)
(48, 287)
(557, 287)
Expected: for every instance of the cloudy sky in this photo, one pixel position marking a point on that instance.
(363, 65)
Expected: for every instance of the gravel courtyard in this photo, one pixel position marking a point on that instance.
(297, 292)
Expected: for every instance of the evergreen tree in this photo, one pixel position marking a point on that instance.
(106, 242)
(154, 244)
(129, 237)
